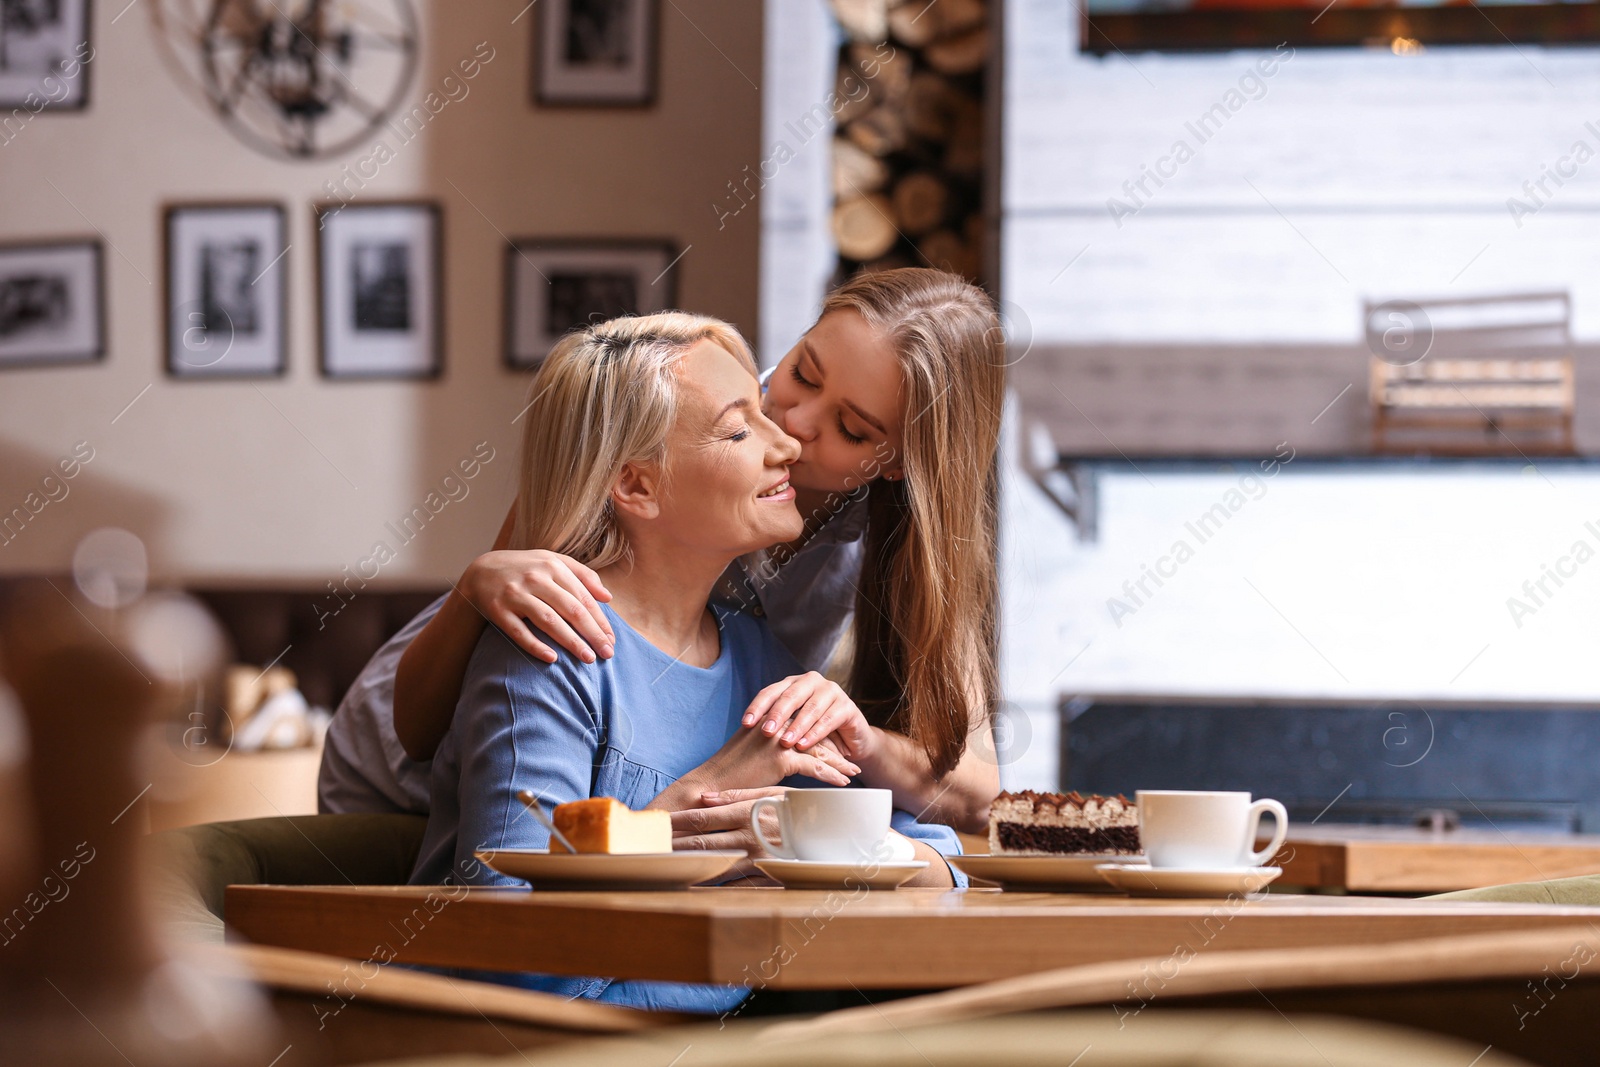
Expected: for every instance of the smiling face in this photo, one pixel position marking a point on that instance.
(725, 490)
(838, 392)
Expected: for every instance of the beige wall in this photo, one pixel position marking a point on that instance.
(294, 478)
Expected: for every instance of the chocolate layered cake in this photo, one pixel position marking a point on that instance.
(1063, 824)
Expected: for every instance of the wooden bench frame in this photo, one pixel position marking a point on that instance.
(1487, 387)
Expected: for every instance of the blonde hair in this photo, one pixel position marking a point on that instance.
(605, 396)
(927, 607)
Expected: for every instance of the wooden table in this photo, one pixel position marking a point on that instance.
(1400, 859)
(912, 938)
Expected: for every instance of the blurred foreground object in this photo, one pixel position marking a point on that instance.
(87, 981)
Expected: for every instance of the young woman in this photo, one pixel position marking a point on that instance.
(895, 397)
(645, 457)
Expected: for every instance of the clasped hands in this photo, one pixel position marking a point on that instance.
(802, 725)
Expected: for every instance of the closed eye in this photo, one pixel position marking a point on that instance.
(848, 436)
(794, 372)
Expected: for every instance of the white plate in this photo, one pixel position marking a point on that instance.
(1143, 880)
(1047, 873)
(543, 869)
(809, 874)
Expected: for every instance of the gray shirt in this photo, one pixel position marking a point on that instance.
(808, 603)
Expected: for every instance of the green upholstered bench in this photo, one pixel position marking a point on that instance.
(1584, 889)
(193, 866)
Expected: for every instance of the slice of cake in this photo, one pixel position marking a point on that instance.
(601, 824)
(1063, 824)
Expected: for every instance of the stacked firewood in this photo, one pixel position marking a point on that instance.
(908, 152)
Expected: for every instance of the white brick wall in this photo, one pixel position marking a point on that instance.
(1391, 175)
(1323, 582)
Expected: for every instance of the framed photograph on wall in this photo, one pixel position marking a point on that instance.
(226, 290)
(379, 285)
(596, 53)
(553, 286)
(1189, 26)
(52, 304)
(44, 57)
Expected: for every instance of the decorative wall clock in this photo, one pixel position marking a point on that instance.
(298, 79)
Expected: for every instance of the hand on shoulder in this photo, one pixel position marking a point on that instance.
(556, 593)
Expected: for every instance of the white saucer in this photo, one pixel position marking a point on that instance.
(1143, 880)
(543, 869)
(810, 874)
(1043, 873)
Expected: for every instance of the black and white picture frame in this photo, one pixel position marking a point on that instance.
(52, 303)
(44, 58)
(553, 286)
(226, 290)
(596, 53)
(379, 284)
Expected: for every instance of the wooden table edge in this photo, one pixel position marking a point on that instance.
(677, 937)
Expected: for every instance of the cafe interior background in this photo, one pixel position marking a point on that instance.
(1250, 540)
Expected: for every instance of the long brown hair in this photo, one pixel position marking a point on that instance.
(927, 608)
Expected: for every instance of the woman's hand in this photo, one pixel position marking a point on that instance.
(724, 821)
(555, 592)
(801, 710)
(751, 760)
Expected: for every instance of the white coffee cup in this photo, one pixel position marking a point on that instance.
(1183, 828)
(830, 825)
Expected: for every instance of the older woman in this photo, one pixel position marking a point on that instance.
(646, 458)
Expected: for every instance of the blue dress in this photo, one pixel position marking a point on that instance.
(626, 727)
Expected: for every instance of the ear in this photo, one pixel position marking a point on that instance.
(637, 491)
(890, 468)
